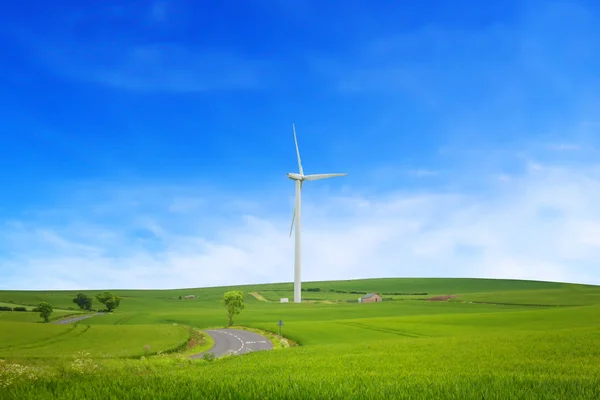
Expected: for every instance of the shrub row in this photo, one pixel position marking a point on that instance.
(406, 294)
(5, 308)
(346, 291)
(357, 292)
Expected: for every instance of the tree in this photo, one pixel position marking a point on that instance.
(110, 300)
(83, 301)
(45, 310)
(234, 302)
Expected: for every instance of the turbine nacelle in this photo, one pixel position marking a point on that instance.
(295, 177)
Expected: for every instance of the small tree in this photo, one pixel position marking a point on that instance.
(45, 310)
(110, 300)
(83, 301)
(234, 302)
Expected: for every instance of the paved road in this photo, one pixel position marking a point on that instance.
(236, 341)
(75, 319)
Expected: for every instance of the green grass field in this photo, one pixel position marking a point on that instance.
(52, 341)
(498, 339)
(18, 316)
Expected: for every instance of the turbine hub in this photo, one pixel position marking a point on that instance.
(295, 177)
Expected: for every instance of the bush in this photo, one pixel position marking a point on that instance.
(19, 309)
(110, 300)
(5, 308)
(45, 310)
(83, 301)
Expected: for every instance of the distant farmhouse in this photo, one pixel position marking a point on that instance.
(189, 297)
(370, 298)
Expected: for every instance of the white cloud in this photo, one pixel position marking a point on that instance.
(423, 172)
(590, 124)
(148, 67)
(185, 204)
(542, 224)
(159, 67)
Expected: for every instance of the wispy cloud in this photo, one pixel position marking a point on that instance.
(423, 172)
(590, 124)
(564, 146)
(540, 224)
(143, 58)
(478, 71)
(157, 67)
(422, 61)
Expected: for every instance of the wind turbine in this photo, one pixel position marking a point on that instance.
(299, 178)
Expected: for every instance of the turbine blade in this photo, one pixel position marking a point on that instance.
(294, 214)
(315, 177)
(293, 218)
(297, 151)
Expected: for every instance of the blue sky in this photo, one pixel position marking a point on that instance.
(144, 144)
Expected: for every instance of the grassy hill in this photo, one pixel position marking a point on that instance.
(143, 299)
(495, 339)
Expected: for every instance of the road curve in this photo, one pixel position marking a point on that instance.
(75, 319)
(235, 341)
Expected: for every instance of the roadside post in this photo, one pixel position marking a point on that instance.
(280, 324)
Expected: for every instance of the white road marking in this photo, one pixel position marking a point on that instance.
(241, 341)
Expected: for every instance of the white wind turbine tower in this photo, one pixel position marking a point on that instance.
(299, 178)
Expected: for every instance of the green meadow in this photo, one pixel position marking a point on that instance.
(496, 339)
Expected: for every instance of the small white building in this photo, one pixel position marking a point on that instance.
(284, 300)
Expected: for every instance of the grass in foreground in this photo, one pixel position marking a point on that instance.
(526, 365)
(54, 341)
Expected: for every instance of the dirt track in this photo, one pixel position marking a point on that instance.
(75, 319)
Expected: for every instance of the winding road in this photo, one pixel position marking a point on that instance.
(235, 341)
(227, 341)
